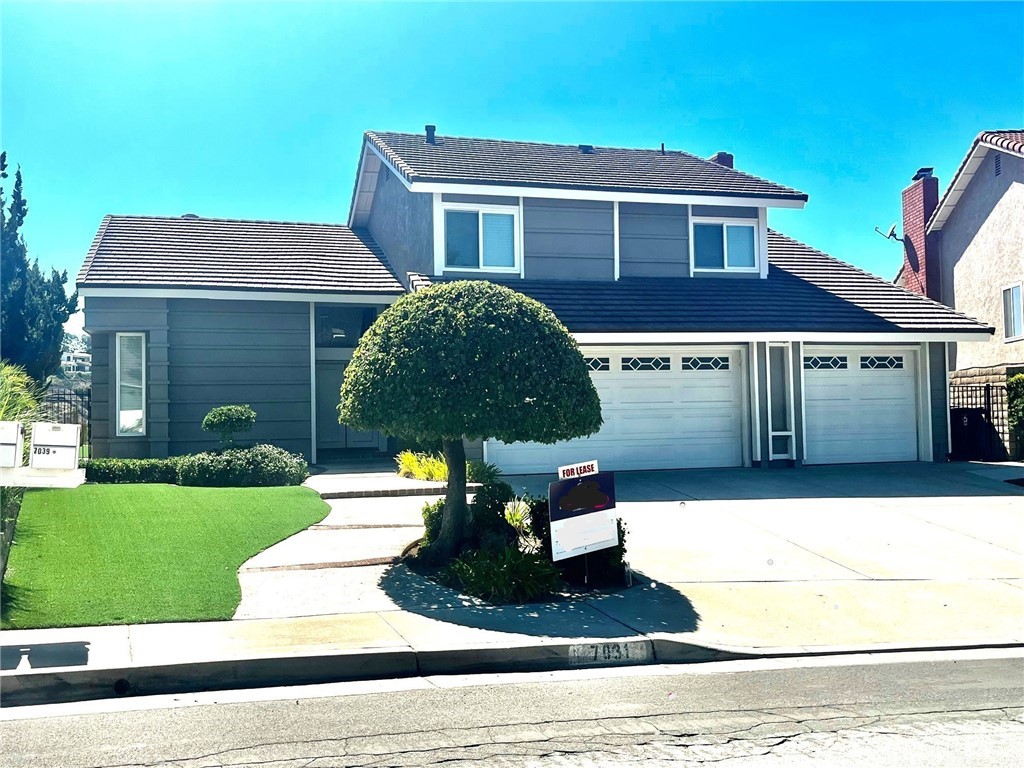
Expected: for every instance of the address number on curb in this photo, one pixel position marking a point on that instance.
(600, 653)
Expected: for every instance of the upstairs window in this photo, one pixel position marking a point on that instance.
(479, 238)
(1013, 313)
(725, 246)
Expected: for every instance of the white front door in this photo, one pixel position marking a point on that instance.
(860, 404)
(663, 408)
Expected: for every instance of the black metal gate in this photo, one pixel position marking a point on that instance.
(70, 406)
(979, 426)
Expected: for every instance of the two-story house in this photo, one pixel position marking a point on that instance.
(713, 340)
(966, 250)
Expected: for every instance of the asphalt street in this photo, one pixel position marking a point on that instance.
(960, 708)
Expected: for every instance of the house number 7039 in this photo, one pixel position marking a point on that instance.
(41, 451)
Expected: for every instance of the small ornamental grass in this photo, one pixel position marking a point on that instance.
(432, 467)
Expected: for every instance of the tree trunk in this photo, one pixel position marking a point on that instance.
(455, 520)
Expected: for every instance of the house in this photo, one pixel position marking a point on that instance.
(712, 339)
(75, 362)
(966, 250)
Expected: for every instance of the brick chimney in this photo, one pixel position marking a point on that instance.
(722, 158)
(920, 251)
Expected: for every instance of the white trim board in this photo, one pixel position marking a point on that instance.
(312, 383)
(780, 336)
(239, 295)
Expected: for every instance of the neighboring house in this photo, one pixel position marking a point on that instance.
(75, 362)
(713, 340)
(966, 250)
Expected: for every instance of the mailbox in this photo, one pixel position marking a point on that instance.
(12, 441)
(55, 446)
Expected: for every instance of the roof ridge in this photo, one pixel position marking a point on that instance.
(224, 219)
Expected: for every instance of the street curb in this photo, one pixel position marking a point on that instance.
(72, 685)
(68, 685)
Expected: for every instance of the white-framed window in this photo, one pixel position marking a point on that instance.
(481, 238)
(130, 384)
(725, 245)
(1013, 312)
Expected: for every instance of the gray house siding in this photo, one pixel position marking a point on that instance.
(200, 354)
(245, 352)
(568, 239)
(402, 223)
(653, 240)
(725, 211)
(105, 318)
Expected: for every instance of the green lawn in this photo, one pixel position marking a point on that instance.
(129, 554)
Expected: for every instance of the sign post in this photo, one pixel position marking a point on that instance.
(578, 505)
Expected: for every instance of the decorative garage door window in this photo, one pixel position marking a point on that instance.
(883, 362)
(598, 363)
(825, 363)
(705, 363)
(646, 364)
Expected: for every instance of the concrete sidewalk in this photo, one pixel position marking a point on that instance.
(798, 562)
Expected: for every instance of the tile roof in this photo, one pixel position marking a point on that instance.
(806, 291)
(1011, 141)
(559, 166)
(193, 252)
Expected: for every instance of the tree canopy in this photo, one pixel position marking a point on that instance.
(468, 359)
(33, 307)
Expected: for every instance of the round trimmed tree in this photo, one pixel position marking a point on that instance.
(468, 359)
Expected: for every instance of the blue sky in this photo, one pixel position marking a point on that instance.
(256, 110)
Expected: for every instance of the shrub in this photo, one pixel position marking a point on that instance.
(19, 401)
(1015, 404)
(132, 470)
(503, 576)
(225, 420)
(422, 466)
(482, 472)
(490, 529)
(432, 513)
(261, 465)
(605, 567)
(432, 466)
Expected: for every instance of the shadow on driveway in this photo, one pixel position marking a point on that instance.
(620, 613)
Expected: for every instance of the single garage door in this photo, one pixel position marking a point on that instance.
(860, 405)
(663, 409)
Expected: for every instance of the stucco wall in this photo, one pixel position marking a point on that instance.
(982, 250)
(402, 223)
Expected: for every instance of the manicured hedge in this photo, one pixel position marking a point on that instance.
(261, 465)
(132, 470)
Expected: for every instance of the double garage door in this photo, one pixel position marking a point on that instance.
(662, 409)
(687, 407)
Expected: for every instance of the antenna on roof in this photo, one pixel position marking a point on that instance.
(891, 234)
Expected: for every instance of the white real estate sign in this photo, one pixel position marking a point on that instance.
(579, 506)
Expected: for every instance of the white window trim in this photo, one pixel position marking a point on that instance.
(505, 210)
(772, 432)
(1002, 307)
(117, 384)
(754, 224)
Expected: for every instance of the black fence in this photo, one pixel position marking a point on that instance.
(70, 406)
(979, 423)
